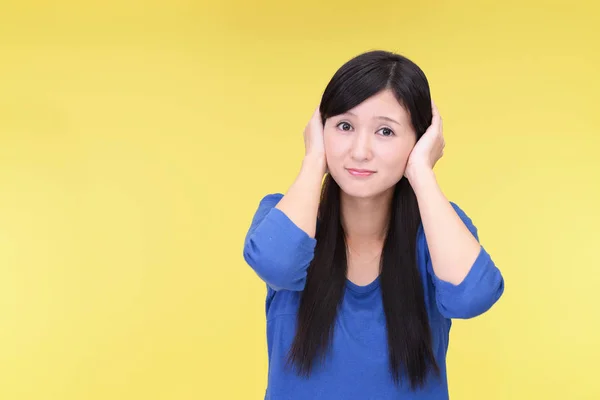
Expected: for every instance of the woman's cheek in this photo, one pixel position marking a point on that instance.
(331, 148)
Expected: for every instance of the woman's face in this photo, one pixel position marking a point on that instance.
(367, 148)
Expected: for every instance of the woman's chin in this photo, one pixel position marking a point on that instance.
(360, 190)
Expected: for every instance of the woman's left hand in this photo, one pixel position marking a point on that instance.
(429, 148)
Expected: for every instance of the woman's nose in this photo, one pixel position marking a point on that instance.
(361, 146)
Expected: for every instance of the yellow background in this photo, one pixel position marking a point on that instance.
(138, 137)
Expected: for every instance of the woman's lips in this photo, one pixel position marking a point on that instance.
(360, 172)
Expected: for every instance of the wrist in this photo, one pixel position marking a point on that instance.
(315, 162)
(419, 175)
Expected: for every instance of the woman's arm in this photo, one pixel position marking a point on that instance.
(466, 279)
(467, 282)
(452, 247)
(280, 243)
(301, 202)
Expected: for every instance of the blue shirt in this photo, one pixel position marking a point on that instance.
(357, 365)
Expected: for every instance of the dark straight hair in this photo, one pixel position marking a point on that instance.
(408, 330)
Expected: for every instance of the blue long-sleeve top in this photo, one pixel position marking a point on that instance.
(358, 365)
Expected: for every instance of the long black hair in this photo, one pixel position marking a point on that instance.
(408, 330)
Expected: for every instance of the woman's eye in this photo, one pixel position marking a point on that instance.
(386, 132)
(344, 126)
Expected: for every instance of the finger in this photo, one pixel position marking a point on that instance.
(434, 109)
(436, 118)
(317, 121)
(317, 115)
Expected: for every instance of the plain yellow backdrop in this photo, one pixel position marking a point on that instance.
(137, 138)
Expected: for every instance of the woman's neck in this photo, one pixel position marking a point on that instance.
(365, 220)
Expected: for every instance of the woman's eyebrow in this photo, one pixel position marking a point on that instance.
(377, 117)
(388, 119)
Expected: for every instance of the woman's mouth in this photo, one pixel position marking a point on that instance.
(360, 172)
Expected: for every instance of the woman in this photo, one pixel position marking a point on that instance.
(365, 270)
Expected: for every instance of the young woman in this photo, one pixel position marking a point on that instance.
(366, 270)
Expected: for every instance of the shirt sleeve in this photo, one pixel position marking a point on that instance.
(479, 290)
(276, 248)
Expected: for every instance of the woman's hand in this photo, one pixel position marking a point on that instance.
(429, 148)
(314, 142)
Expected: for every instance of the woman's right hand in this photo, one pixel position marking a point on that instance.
(314, 142)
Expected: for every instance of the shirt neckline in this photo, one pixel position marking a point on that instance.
(362, 289)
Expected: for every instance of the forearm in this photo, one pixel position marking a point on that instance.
(301, 201)
(452, 247)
